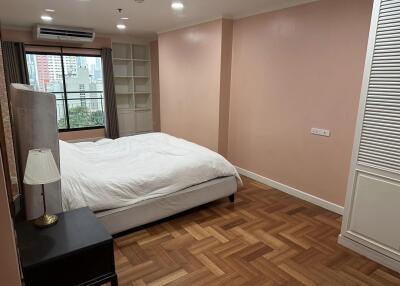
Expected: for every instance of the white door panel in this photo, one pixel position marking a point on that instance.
(126, 121)
(372, 211)
(376, 212)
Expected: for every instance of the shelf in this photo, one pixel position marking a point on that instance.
(133, 109)
(124, 93)
(123, 85)
(142, 85)
(122, 60)
(121, 51)
(141, 60)
(125, 101)
(142, 92)
(142, 102)
(122, 69)
(141, 52)
(131, 76)
(141, 69)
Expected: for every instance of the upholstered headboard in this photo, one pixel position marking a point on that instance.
(34, 123)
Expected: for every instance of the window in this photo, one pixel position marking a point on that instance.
(77, 82)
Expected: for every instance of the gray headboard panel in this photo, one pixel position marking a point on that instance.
(34, 123)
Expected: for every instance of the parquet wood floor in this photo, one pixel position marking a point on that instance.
(265, 238)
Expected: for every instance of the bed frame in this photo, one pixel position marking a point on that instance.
(33, 127)
(145, 212)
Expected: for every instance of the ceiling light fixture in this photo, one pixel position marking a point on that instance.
(121, 26)
(124, 18)
(50, 10)
(46, 18)
(177, 5)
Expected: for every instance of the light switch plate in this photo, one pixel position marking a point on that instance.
(321, 132)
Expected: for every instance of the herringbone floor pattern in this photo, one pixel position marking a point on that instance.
(265, 238)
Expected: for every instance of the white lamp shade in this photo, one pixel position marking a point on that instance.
(41, 168)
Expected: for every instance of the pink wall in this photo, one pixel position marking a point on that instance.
(9, 270)
(225, 85)
(295, 69)
(190, 83)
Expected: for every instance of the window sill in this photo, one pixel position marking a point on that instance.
(80, 129)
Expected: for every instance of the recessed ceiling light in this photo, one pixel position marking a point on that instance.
(124, 18)
(46, 18)
(177, 5)
(50, 10)
(121, 26)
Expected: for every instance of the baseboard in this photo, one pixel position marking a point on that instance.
(370, 253)
(292, 191)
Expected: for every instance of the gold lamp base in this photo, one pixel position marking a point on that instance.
(45, 220)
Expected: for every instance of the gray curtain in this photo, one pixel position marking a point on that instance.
(110, 101)
(15, 67)
(15, 71)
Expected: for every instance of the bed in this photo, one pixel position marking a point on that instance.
(132, 181)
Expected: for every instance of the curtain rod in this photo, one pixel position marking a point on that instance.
(61, 47)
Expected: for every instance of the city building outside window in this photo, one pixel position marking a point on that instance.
(76, 81)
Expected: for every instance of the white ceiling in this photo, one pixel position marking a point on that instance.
(148, 18)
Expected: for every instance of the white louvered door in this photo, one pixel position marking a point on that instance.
(372, 210)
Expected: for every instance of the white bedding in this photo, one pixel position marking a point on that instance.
(110, 174)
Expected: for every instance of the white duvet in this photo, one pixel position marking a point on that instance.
(110, 174)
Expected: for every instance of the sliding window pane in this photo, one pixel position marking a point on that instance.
(61, 114)
(77, 83)
(45, 72)
(85, 111)
(83, 74)
(59, 95)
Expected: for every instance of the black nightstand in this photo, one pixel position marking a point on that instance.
(76, 251)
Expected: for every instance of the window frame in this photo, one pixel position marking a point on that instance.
(65, 92)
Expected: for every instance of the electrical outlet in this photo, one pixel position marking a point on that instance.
(321, 132)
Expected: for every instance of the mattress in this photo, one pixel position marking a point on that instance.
(111, 174)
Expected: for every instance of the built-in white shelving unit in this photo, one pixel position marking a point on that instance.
(132, 78)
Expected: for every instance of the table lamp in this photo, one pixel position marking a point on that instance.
(41, 169)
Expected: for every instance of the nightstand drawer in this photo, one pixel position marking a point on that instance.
(73, 269)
